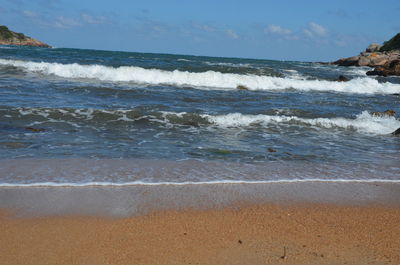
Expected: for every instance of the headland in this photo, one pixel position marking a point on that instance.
(8, 37)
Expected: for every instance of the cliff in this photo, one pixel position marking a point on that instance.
(8, 37)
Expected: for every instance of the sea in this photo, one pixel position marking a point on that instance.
(89, 117)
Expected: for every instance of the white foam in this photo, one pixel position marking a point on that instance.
(204, 80)
(360, 71)
(293, 74)
(229, 64)
(363, 123)
(184, 60)
(141, 183)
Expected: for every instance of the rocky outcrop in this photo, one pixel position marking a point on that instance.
(371, 59)
(373, 47)
(389, 68)
(385, 59)
(8, 37)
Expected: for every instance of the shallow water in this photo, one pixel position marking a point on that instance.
(74, 104)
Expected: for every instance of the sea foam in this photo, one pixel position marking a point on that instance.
(187, 183)
(204, 80)
(363, 123)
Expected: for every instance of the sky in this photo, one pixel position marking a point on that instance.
(308, 30)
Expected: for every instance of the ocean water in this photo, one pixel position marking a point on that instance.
(102, 117)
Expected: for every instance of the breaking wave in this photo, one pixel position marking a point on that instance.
(362, 123)
(203, 80)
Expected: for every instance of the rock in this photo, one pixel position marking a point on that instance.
(394, 55)
(377, 71)
(386, 113)
(368, 59)
(377, 59)
(389, 68)
(13, 145)
(35, 129)
(271, 150)
(389, 112)
(8, 37)
(342, 78)
(350, 61)
(373, 47)
(376, 56)
(363, 61)
(396, 132)
(241, 87)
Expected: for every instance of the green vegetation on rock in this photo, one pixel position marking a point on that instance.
(20, 36)
(392, 44)
(5, 33)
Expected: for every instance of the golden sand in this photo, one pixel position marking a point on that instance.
(257, 234)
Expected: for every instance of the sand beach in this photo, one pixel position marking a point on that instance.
(282, 223)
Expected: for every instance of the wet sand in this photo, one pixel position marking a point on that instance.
(258, 227)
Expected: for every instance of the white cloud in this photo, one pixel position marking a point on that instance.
(318, 29)
(66, 22)
(315, 30)
(157, 28)
(29, 14)
(204, 27)
(232, 34)
(94, 19)
(340, 43)
(277, 30)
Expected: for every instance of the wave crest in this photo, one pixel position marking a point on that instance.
(203, 80)
(363, 123)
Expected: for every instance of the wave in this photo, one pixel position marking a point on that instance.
(241, 65)
(217, 182)
(294, 74)
(203, 80)
(357, 70)
(363, 123)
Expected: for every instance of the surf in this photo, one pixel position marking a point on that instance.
(209, 80)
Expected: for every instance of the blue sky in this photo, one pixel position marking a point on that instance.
(285, 30)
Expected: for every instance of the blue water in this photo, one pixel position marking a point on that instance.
(86, 104)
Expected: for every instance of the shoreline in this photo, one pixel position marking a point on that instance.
(74, 172)
(188, 183)
(125, 201)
